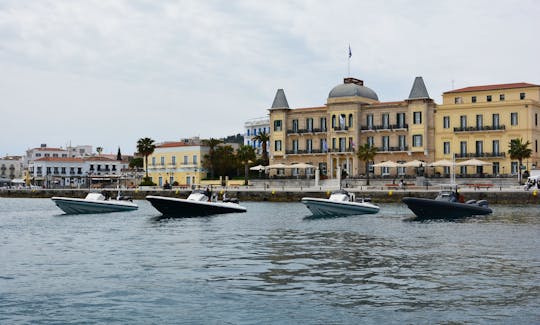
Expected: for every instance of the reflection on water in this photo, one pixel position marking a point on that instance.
(269, 265)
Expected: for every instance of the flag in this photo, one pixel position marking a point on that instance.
(350, 52)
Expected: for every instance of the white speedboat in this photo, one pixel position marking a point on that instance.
(198, 203)
(93, 203)
(340, 203)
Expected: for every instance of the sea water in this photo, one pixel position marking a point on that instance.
(272, 265)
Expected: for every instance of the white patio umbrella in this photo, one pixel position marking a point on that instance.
(258, 167)
(473, 162)
(302, 166)
(388, 163)
(413, 163)
(442, 163)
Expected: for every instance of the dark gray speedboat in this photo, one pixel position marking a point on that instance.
(446, 205)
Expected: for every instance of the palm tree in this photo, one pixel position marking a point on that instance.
(210, 159)
(99, 150)
(366, 153)
(519, 150)
(146, 146)
(263, 138)
(245, 154)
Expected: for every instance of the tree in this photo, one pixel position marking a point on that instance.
(99, 150)
(245, 154)
(119, 155)
(263, 138)
(136, 163)
(366, 153)
(209, 160)
(518, 151)
(146, 146)
(224, 160)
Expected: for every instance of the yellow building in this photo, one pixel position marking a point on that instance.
(479, 122)
(179, 162)
(328, 136)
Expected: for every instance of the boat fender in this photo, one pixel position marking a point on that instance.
(482, 203)
(471, 202)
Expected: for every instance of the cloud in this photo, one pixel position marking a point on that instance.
(171, 69)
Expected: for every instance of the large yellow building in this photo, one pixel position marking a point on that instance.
(179, 162)
(473, 122)
(479, 122)
(328, 136)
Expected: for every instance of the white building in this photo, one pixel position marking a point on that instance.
(74, 171)
(252, 128)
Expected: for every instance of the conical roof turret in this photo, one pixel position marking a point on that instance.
(280, 101)
(418, 90)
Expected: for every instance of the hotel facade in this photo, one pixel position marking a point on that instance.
(415, 128)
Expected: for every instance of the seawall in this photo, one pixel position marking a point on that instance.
(494, 196)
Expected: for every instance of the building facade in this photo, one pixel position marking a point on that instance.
(11, 167)
(328, 136)
(177, 162)
(254, 127)
(479, 122)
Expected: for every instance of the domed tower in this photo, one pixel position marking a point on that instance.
(352, 89)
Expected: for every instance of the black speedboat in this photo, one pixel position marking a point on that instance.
(446, 205)
(197, 204)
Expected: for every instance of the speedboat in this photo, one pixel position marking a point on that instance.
(94, 203)
(340, 203)
(198, 203)
(447, 205)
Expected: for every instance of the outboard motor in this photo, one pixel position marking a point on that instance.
(482, 203)
(471, 202)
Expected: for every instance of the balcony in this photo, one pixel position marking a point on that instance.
(385, 127)
(305, 131)
(341, 128)
(341, 150)
(393, 149)
(480, 128)
(304, 152)
(480, 155)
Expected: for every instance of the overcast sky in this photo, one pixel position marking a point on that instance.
(106, 73)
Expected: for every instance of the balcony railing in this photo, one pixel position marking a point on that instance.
(480, 155)
(304, 152)
(304, 131)
(480, 128)
(388, 149)
(384, 127)
(349, 149)
(341, 128)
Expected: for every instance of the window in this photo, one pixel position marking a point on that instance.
(333, 121)
(400, 119)
(323, 123)
(309, 145)
(458, 100)
(446, 122)
(309, 124)
(402, 143)
(446, 147)
(496, 168)
(185, 160)
(369, 121)
(55, 155)
(63, 170)
(350, 120)
(463, 148)
(514, 167)
(277, 145)
(295, 146)
(473, 99)
(248, 132)
(479, 121)
(385, 143)
(495, 120)
(463, 121)
(153, 161)
(295, 125)
(277, 125)
(371, 141)
(173, 160)
(323, 146)
(488, 98)
(341, 144)
(385, 121)
(333, 143)
(521, 96)
(162, 160)
(514, 118)
(417, 140)
(195, 159)
(417, 117)
(479, 148)
(495, 146)
(501, 97)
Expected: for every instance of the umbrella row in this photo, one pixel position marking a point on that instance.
(438, 163)
(282, 166)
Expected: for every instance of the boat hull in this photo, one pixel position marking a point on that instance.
(325, 207)
(81, 206)
(435, 209)
(173, 207)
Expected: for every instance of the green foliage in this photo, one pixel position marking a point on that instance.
(366, 153)
(147, 181)
(245, 155)
(146, 146)
(519, 150)
(263, 138)
(238, 138)
(136, 163)
(209, 160)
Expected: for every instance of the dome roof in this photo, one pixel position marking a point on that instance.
(351, 89)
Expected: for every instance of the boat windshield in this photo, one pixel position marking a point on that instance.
(449, 196)
(198, 195)
(340, 195)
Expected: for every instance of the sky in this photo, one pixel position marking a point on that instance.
(107, 73)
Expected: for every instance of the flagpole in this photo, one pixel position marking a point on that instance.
(349, 62)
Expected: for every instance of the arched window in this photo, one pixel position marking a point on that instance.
(350, 120)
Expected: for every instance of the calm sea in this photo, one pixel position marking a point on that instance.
(271, 265)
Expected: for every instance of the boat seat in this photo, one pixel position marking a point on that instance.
(471, 202)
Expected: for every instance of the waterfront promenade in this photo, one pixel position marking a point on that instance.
(380, 192)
